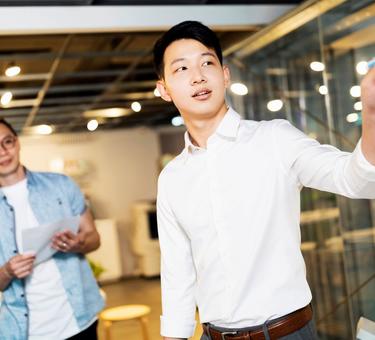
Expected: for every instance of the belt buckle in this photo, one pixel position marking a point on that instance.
(223, 334)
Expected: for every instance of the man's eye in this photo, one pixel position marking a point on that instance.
(8, 141)
(182, 68)
(207, 63)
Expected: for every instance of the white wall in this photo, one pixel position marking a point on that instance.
(122, 167)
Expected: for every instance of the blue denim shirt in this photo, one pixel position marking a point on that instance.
(52, 197)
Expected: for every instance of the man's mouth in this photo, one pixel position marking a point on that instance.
(5, 163)
(201, 93)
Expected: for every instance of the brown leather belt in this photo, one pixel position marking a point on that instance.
(277, 329)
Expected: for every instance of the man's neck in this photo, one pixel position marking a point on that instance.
(13, 178)
(201, 129)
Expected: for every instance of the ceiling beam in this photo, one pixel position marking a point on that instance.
(43, 91)
(90, 19)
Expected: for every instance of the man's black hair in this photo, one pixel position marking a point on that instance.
(185, 30)
(10, 127)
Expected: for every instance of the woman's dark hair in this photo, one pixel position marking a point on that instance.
(10, 127)
(185, 30)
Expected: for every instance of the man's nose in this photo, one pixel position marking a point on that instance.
(198, 76)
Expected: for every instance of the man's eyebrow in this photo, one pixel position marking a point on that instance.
(177, 60)
(208, 54)
(204, 54)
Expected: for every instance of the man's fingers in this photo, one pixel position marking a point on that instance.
(21, 260)
(23, 272)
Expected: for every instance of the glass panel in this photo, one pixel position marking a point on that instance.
(338, 237)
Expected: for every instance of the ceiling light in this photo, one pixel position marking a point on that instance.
(177, 121)
(362, 67)
(352, 117)
(157, 93)
(317, 66)
(355, 91)
(6, 98)
(92, 125)
(323, 90)
(12, 71)
(239, 89)
(136, 106)
(43, 129)
(358, 106)
(275, 105)
(112, 112)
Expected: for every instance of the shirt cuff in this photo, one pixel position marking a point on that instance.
(364, 166)
(174, 328)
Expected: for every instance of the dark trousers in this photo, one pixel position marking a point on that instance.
(87, 334)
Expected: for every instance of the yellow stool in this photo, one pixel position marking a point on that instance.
(125, 312)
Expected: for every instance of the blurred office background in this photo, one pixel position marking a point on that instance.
(85, 104)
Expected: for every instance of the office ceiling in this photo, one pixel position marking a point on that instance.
(138, 2)
(68, 79)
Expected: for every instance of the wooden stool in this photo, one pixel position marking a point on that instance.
(125, 312)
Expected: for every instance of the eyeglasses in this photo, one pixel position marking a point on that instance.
(8, 142)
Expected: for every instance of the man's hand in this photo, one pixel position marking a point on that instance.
(368, 115)
(368, 91)
(87, 239)
(67, 242)
(19, 266)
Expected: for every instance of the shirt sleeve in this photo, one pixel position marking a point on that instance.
(178, 275)
(324, 167)
(75, 196)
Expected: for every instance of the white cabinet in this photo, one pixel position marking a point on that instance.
(108, 255)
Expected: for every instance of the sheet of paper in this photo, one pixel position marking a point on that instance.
(39, 239)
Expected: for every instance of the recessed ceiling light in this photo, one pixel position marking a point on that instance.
(358, 106)
(355, 91)
(157, 93)
(352, 117)
(13, 71)
(136, 106)
(6, 98)
(317, 66)
(42, 129)
(362, 67)
(323, 90)
(177, 121)
(239, 89)
(275, 105)
(92, 125)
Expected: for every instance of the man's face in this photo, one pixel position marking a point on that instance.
(9, 152)
(194, 79)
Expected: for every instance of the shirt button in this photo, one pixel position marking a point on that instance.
(26, 315)
(11, 209)
(15, 251)
(22, 295)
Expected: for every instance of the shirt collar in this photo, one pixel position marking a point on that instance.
(227, 129)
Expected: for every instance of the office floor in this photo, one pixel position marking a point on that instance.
(136, 291)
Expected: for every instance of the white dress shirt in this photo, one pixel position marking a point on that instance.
(228, 219)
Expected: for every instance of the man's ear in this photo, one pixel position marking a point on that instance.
(160, 85)
(226, 76)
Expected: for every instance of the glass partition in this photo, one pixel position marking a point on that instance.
(310, 77)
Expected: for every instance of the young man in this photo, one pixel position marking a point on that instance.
(58, 298)
(228, 205)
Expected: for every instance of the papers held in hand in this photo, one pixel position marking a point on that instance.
(39, 239)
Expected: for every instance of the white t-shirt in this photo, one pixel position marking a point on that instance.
(50, 313)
